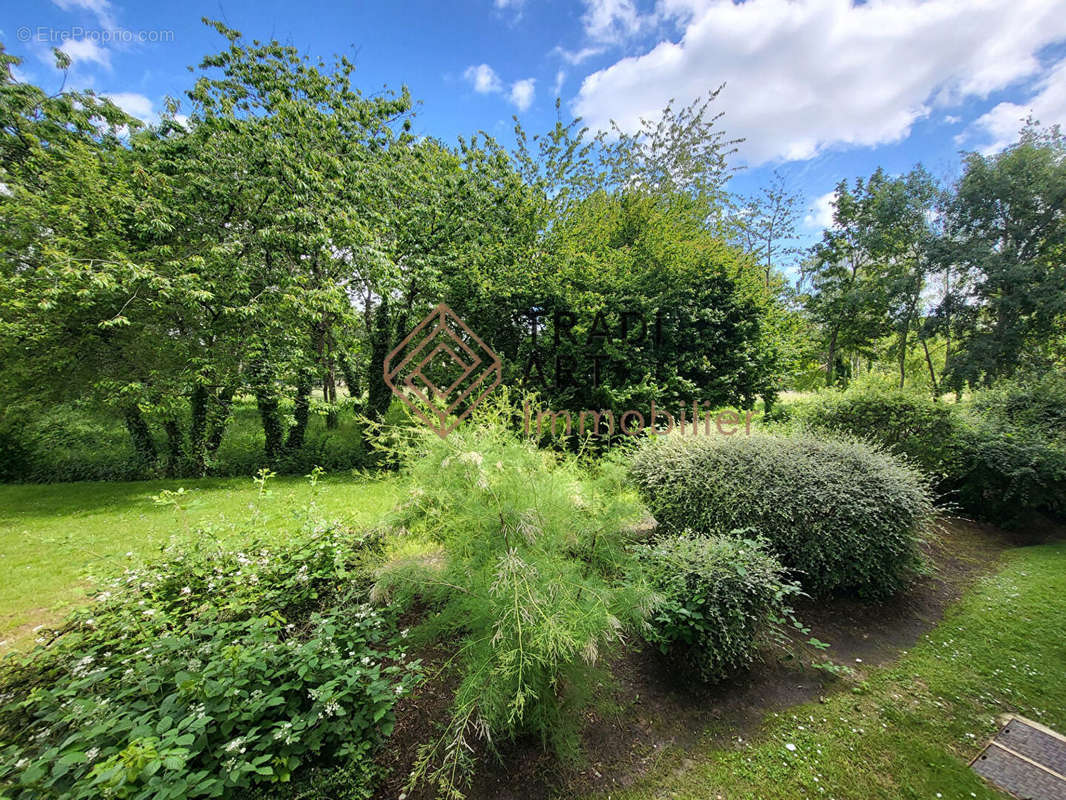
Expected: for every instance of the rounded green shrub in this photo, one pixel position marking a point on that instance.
(842, 515)
(716, 596)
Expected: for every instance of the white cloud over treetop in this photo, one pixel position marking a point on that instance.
(808, 75)
(484, 80)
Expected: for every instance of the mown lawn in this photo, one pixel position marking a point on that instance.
(56, 538)
(909, 730)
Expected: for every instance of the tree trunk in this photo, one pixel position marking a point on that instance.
(378, 393)
(175, 448)
(219, 418)
(198, 430)
(903, 354)
(266, 400)
(301, 414)
(932, 372)
(140, 435)
(830, 363)
(350, 373)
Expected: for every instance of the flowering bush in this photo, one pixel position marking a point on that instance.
(207, 673)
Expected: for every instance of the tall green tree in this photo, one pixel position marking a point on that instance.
(1005, 245)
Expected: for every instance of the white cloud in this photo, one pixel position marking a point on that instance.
(101, 9)
(806, 75)
(485, 81)
(999, 127)
(84, 50)
(575, 57)
(483, 78)
(136, 105)
(612, 20)
(560, 76)
(820, 212)
(505, 4)
(522, 93)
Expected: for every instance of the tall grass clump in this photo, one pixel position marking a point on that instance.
(518, 558)
(842, 515)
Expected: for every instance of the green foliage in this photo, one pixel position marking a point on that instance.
(207, 673)
(520, 556)
(842, 515)
(998, 457)
(908, 423)
(1003, 252)
(715, 597)
(1037, 402)
(1002, 472)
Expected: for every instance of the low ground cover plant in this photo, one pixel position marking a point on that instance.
(717, 598)
(208, 673)
(518, 558)
(842, 515)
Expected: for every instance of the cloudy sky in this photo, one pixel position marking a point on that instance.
(819, 89)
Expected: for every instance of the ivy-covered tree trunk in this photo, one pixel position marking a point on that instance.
(140, 435)
(351, 376)
(198, 430)
(266, 400)
(378, 393)
(301, 414)
(175, 448)
(219, 417)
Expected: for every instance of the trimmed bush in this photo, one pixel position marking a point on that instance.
(1001, 472)
(998, 457)
(717, 596)
(842, 515)
(1037, 403)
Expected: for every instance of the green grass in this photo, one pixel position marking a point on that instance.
(909, 730)
(55, 538)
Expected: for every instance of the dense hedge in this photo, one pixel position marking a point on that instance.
(842, 515)
(716, 596)
(997, 457)
(75, 442)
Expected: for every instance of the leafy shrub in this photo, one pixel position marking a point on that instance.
(521, 556)
(208, 673)
(1037, 403)
(841, 514)
(911, 424)
(1001, 472)
(1000, 456)
(715, 596)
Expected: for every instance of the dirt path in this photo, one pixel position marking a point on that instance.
(649, 710)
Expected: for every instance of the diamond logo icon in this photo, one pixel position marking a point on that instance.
(442, 371)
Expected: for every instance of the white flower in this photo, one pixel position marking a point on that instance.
(790, 747)
(92, 753)
(473, 457)
(186, 590)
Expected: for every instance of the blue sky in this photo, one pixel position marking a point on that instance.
(820, 89)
